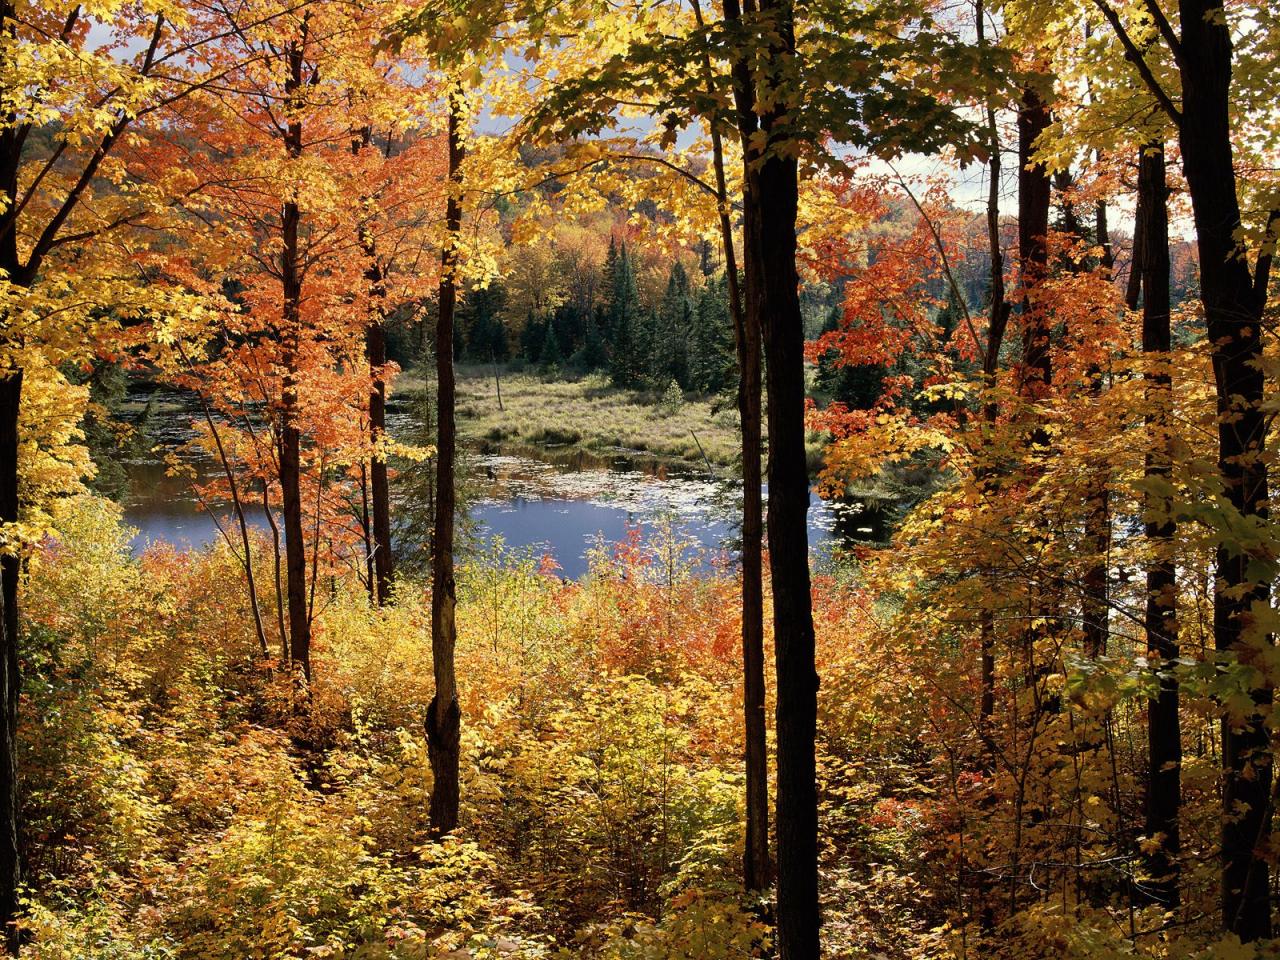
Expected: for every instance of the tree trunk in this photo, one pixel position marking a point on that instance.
(444, 715)
(1034, 195)
(366, 534)
(1233, 305)
(997, 323)
(10, 410)
(772, 304)
(778, 305)
(10, 679)
(246, 544)
(375, 346)
(1164, 734)
(295, 555)
(379, 487)
(747, 341)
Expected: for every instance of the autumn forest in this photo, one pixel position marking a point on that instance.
(638, 480)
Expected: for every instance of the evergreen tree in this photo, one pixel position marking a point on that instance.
(483, 332)
(627, 364)
(669, 349)
(592, 355)
(646, 337)
(624, 360)
(532, 336)
(710, 345)
(550, 355)
(570, 327)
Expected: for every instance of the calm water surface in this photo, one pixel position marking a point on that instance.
(562, 503)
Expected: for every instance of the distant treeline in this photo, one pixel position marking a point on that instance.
(686, 336)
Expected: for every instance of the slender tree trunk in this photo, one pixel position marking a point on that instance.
(379, 486)
(290, 437)
(10, 679)
(1233, 304)
(747, 340)
(1035, 374)
(443, 718)
(366, 533)
(1164, 733)
(375, 345)
(497, 378)
(10, 410)
(771, 187)
(246, 544)
(997, 323)
(1034, 196)
(275, 552)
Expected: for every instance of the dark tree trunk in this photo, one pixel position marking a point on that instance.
(10, 679)
(1233, 305)
(366, 534)
(774, 193)
(772, 304)
(375, 345)
(246, 543)
(747, 337)
(1164, 733)
(10, 410)
(443, 718)
(275, 556)
(756, 868)
(290, 439)
(1034, 196)
(379, 488)
(997, 323)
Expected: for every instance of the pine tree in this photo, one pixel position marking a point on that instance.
(669, 351)
(626, 360)
(592, 355)
(532, 335)
(550, 355)
(710, 343)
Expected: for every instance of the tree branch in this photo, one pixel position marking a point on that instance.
(1134, 56)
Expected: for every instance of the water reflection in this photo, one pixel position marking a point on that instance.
(559, 502)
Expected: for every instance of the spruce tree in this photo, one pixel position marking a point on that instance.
(593, 355)
(669, 350)
(550, 355)
(532, 336)
(626, 362)
(711, 359)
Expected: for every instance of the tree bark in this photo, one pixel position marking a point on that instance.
(771, 187)
(10, 678)
(10, 410)
(747, 341)
(1034, 195)
(997, 323)
(375, 344)
(1233, 302)
(290, 436)
(379, 487)
(1164, 734)
(443, 718)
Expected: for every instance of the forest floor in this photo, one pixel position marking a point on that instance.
(591, 413)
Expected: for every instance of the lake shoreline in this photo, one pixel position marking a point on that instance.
(587, 413)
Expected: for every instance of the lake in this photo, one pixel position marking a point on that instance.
(558, 502)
